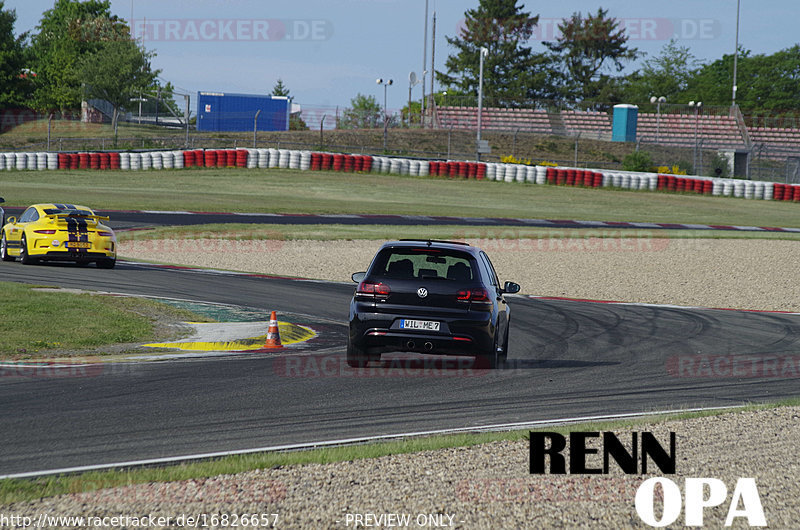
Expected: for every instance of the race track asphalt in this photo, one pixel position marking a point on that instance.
(567, 359)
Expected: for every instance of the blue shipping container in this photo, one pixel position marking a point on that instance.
(217, 111)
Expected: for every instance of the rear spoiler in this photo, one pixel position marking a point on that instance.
(74, 215)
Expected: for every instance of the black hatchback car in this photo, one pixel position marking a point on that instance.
(429, 296)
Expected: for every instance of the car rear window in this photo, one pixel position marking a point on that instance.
(424, 263)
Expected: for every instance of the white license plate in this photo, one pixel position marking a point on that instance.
(425, 325)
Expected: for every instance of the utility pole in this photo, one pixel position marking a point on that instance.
(424, 64)
(736, 54)
(433, 59)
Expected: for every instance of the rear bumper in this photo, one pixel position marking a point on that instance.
(468, 333)
(42, 248)
(71, 255)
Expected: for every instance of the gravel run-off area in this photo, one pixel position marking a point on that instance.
(489, 486)
(738, 273)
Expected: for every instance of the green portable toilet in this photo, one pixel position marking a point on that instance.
(625, 119)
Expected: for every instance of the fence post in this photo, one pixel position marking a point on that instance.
(49, 129)
(255, 128)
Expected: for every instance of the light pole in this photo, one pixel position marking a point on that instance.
(385, 84)
(696, 105)
(412, 82)
(483, 54)
(658, 101)
(736, 54)
(424, 66)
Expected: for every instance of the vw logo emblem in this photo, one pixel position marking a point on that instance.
(422, 292)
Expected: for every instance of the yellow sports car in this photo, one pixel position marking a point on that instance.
(59, 232)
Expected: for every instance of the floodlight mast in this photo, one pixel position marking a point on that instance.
(736, 55)
(658, 101)
(696, 105)
(484, 52)
(385, 84)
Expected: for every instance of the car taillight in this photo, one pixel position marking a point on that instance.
(373, 289)
(48, 232)
(472, 295)
(102, 233)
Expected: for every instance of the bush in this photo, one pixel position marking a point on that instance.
(637, 161)
(511, 159)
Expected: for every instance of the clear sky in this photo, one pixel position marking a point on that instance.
(327, 51)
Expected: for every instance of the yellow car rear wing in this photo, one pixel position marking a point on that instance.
(81, 216)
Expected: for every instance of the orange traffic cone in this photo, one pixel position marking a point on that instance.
(273, 334)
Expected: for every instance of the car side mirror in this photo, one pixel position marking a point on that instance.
(12, 220)
(358, 276)
(511, 288)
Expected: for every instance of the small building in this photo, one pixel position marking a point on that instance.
(218, 111)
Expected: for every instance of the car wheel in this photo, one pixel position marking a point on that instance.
(503, 357)
(23, 253)
(356, 357)
(4, 249)
(495, 358)
(107, 263)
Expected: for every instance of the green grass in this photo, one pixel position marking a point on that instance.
(291, 191)
(244, 232)
(36, 324)
(20, 490)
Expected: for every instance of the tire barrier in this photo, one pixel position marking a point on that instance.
(305, 160)
(136, 161)
(263, 158)
(168, 160)
(210, 159)
(156, 161)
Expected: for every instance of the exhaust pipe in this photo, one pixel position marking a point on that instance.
(428, 346)
(411, 345)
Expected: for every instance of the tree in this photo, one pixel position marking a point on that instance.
(766, 82)
(585, 48)
(364, 113)
(667, 74)
(280, 89)
(66, 33)
(116, 72)
(511, 72)
(296, 121)
(14, 83)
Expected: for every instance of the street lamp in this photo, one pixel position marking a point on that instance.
(696, 105)
(412, 82)
(385, 84)
(483, 54)
(658, 101)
